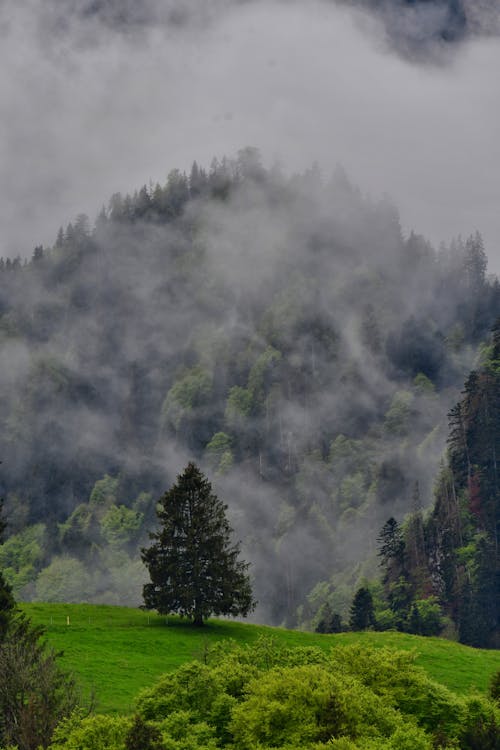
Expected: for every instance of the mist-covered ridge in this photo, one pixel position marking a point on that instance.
(408, 23)
(279, 330)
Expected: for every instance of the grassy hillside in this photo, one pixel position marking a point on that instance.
(118, 651)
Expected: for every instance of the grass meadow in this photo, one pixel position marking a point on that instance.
(117, 651)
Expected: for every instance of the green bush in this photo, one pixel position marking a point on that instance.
(91, 733)
(265, 696)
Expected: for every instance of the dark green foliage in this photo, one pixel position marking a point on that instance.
(329, 621)
(362, 614)
(480, 729)
(35, 694)
(143, 736)
(417, 349)
(425, 617)
(495, 687)
(194, 567)
(454, 554)
(272, 312)
(391, 550)
(7, 604)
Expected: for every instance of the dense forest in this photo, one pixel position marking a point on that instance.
(282, 332)
(451, 555)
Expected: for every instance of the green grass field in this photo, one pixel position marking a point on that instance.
(116, 651)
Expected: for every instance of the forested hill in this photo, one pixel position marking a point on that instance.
(281, 331)
(410, 24)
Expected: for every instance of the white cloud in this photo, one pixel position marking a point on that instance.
(87, 111)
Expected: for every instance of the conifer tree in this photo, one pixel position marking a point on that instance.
(7, 603)
(194, 567)
(362, 615)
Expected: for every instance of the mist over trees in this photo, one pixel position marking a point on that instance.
(451, 556)
(410, 24)
(280, 330)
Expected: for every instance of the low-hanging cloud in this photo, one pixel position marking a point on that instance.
(102, 97)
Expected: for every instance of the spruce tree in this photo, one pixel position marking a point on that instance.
(362, 614)
(193, 565)
(7, 604)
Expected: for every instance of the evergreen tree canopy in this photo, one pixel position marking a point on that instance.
(362, 615)
(194, 568)
(7, 603)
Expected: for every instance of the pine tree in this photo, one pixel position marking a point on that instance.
(464, 528)
(391, 545)
(329, 621)
(194, 567)
(362, 615)
(7, 604)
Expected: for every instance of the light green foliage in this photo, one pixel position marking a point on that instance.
(64, 580)
(226, 463)
(282, 318)
(181, 732)
(104, 491)
(120, 525)
(238, 407)
(91, 733)
(21, 555)
(386, 619)
(394, 676)
(120, 651)
(192, 688)
(409, 738)
(104, 535)
(76, 529)
(192, 390)
(352, 475)
(345, 455)
(352, 491)
(319, 595)
(423, 385)
(218, 452)
(397, 417)
(300, 705)
(267, 696)
(430, 616)
(456, 337)
(263, 373)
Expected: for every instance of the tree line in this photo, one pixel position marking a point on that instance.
(441, 568)
(281, 331)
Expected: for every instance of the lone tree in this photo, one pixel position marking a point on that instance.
(193, 565)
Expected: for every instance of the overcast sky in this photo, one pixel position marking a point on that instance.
(86, 111)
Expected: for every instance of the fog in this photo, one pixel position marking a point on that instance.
(298, 293)
(96, 98)
(286, 321)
